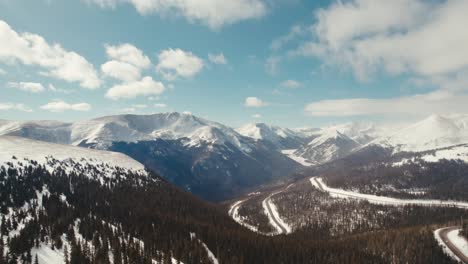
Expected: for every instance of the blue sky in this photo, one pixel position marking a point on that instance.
(289, 63)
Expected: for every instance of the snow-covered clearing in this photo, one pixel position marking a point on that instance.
(298, 159)
(340, 193)
(40, 151)
(47, 255)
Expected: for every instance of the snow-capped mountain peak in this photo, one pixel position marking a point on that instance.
(260, 131)
(281, 138)
(434, 132)
(101, 132)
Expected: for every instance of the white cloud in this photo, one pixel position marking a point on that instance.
(424, 38)
(57, 90)
(27, 86)
(214, 13)
(60, 106)
(140, 106)
(438, 102)
(254, 102)
(126, 62)
(121, 71)
(257, 116)
(160, 105)
(292, 84)
(128, 110)
(217, 58)
(12, 106)
(280, 42)
(147, 86)
(272, 64)
(175, 63)
(2, 71)
(32, 49)
(129, 54)
(134, 108)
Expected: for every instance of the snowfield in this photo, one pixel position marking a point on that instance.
(298, 159)
(39, 151)
(431, 133)
(340, 193)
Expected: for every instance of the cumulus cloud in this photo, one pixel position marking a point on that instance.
(254, 102)
(61, 106)
(144, 87)
(214, 13)
(160, 105)
(295, 32)
(129, 54)
(126, 62)
(32, 49)
(438, 102)
(32, 87)
(121, 71)
(175, 63)
(257, 116)
(425, 38)
(14, 107)
(292, 84)
(217, 58)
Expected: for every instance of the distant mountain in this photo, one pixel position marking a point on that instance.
(207, 158)
(327, 147)
(431, 133)
(281, 138)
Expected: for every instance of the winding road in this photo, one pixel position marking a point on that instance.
(443, 234)
(270, 210)
(277, 223)
(234, 214)
(340, 193)
(457, 250)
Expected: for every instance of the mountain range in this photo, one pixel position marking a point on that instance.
(216, 162)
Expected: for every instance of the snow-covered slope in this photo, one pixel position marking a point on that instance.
(102, 131)
(431, 133)
(281, 138)
(327, 147)
(17, 149)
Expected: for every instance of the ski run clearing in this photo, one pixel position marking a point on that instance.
(375, 199)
